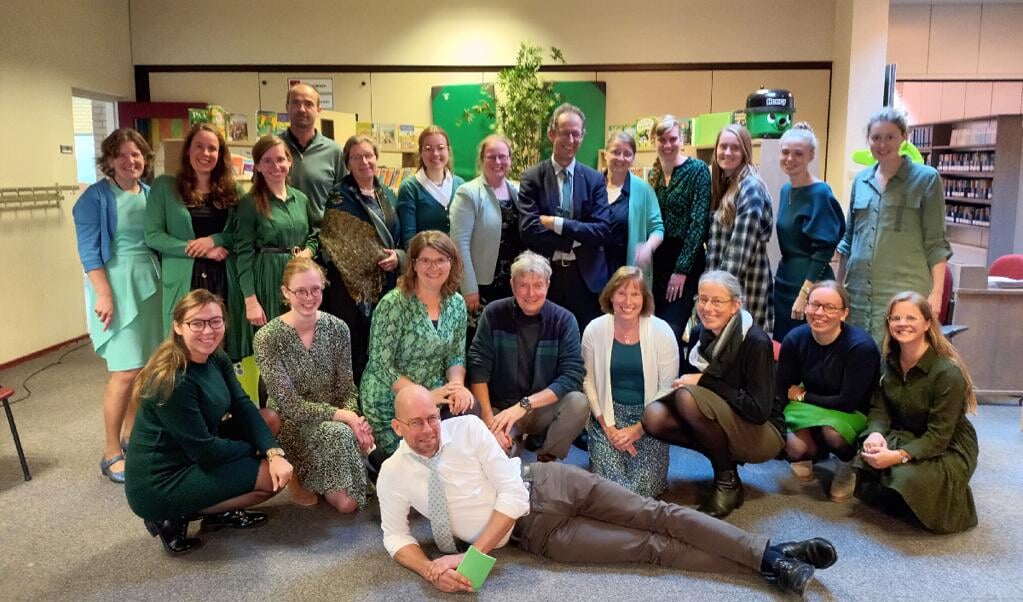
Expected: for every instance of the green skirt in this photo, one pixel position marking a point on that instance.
(801, 415)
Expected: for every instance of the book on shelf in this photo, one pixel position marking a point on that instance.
(198, 115)
(407, 137)
(266, 123)
(386, 136)
(364, 128)
(237, 127)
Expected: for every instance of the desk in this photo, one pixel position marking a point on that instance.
(992, 348)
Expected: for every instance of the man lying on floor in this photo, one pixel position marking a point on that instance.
(455, 473)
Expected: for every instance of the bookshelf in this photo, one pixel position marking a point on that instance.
(979, 161)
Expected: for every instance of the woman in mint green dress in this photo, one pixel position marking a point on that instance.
(275, 223)
(122, 287)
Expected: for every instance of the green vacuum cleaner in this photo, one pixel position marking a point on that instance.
(769, 112)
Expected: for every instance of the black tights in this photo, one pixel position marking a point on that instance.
(816, 443)
(676, 419)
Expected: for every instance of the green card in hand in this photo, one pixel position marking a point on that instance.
(476, 566)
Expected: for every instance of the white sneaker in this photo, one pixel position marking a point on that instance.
(844, 483)
(802, 470)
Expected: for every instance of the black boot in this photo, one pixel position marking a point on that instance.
(790, 574)
(235, 519)
(817, 551)
(726, 495)
(174, 535)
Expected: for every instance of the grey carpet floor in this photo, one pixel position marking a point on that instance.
(68, 534)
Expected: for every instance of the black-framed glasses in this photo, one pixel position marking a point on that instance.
(198, 326)
(826, 307)
(418, 423)
(306, 293)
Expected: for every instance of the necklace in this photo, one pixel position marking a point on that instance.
(627, 334)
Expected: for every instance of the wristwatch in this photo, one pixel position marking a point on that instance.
(526, 404)
(274, 452)
(905, 456)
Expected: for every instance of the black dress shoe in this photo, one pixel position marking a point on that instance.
(817, 551)
(235, 519)
(790, 574)
(726, 495)
(174, 536)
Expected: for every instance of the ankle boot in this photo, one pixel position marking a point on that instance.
(726, 495)
(174, 535)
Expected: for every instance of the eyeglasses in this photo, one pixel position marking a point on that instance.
(570, 134)
(906, 319)
(268, 161)
(496, 158)
(198, 326)
(417, 423)
(828, 308)
(714, 302)
(432, 263)
(304, 293)
(440, 148)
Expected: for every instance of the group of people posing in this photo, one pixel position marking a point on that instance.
(380, 322)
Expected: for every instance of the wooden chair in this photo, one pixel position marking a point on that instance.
(5, 395)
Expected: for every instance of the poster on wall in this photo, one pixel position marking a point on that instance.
(324, 86)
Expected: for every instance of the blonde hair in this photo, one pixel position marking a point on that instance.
(482, 149)
(935, 339)
(300, 265)
(438, 131)
(622, 277)
(723, 187)
(440, 242)
(801, 132)
(158, 377)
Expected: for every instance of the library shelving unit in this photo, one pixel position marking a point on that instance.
(979, 161)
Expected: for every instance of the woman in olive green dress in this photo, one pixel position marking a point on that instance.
(275, 223)
(185, 457)
(920, 450)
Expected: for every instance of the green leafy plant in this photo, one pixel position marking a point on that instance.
(526, 103)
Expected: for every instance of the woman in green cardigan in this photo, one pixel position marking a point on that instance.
(275, 223)
(190, 222)
(184, 457)
(636, 226)
(424, 201)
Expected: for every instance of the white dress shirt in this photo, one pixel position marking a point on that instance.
(478, 479)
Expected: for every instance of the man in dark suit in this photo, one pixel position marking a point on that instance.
(564, 216)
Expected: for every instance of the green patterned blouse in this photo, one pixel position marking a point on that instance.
(685, 208)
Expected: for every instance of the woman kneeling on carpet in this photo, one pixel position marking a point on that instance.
(185, 459)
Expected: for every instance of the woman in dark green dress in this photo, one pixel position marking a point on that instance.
(184, 458)
(920, 450)
(810, 225)
(275, 223)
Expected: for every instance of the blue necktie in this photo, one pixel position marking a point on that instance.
(566, 194)
(437, 507)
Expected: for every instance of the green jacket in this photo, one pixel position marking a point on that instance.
(168, 230)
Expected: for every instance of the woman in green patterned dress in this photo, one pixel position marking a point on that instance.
(122, 287)
(418, 337)
(275, 223)
(305, 358)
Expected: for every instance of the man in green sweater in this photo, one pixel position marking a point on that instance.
(317, 165)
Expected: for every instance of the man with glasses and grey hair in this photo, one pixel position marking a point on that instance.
(564, 216)
(525, 366)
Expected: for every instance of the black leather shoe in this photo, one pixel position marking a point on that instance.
(174, 536)
(817, 551)
(790, 574)
(235, 519)
(726, 495)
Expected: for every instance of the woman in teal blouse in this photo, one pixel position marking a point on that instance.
(636, 226)
(275, 223)
(185, 457)
(418, 337)
(424, 201)
(895, 239)
(122, 287)
(190, 222)
(810, 224)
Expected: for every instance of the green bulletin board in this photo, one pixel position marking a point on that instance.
(450, 102)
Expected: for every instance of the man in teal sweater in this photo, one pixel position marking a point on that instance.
(525, 365)
(317, 163)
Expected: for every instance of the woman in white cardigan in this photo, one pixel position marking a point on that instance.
(631, 359)
(485, 226)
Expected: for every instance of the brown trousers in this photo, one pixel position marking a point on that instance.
(577, 517)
